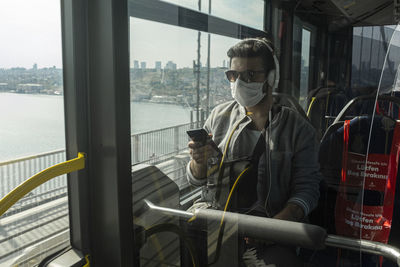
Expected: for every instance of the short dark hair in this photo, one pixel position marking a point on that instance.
(254, 47)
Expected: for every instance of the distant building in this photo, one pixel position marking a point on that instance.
(170, 65)
(3, 86)
(135, 64)
(158, 65)
(29, 88)
(224, 64)
(143, 65)
(34, 66)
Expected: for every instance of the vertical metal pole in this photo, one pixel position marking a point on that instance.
(370, 54)
(191, 119)
(380, 47)
(267, 16)
(136, 149)
(361, 49)
(208, 66)
(286, 45)
(176, 139)
(198, 75)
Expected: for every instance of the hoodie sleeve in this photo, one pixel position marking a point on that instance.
(306, 175)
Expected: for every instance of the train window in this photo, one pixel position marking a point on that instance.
(32, 135)
(367, 66)
(229, 10)
(164, 85)
(202, 6)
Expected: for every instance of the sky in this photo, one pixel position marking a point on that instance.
(30, 33)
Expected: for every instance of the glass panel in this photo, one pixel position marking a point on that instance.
(361, 145)
(191, 4)
(255, 156)
(367, 65)
(32, 134)
(164, 86)
(379, 167)
(169, 87)
(249, 13)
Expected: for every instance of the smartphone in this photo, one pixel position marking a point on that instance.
(200, 135)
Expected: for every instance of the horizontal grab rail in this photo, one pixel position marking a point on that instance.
(285, 232)
(366, 246)
(279, 231)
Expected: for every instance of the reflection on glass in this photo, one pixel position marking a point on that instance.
(391, 63)
(305, 66)
(358, 148)
(370, 47)
(249, 13)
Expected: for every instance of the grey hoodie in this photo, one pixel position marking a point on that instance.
(291, 145)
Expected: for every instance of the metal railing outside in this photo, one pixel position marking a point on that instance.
(23, 221)
(157, 145)
(14, 172)
(149, 147)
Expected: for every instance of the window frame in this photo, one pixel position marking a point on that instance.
(97, 119)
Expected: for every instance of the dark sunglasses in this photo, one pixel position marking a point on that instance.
(247, 75)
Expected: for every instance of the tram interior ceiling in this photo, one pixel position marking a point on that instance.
(345, 13)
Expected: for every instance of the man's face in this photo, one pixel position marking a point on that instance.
(254, 67)
(250, 69)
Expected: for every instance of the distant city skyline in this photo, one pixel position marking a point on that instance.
(31, 33)
(136, 65)
(169, 65)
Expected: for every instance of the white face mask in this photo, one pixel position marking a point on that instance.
(247, 94)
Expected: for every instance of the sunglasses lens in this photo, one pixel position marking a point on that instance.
(231, 75)
(247, 75)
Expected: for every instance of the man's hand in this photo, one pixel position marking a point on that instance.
(291, 212)
(200, 154)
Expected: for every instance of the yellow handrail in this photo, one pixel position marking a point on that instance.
(309, 107)
(40, 178)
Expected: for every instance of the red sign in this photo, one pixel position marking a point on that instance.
(352, 219)
(376, 173)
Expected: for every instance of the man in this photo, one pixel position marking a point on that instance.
(284, 180)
